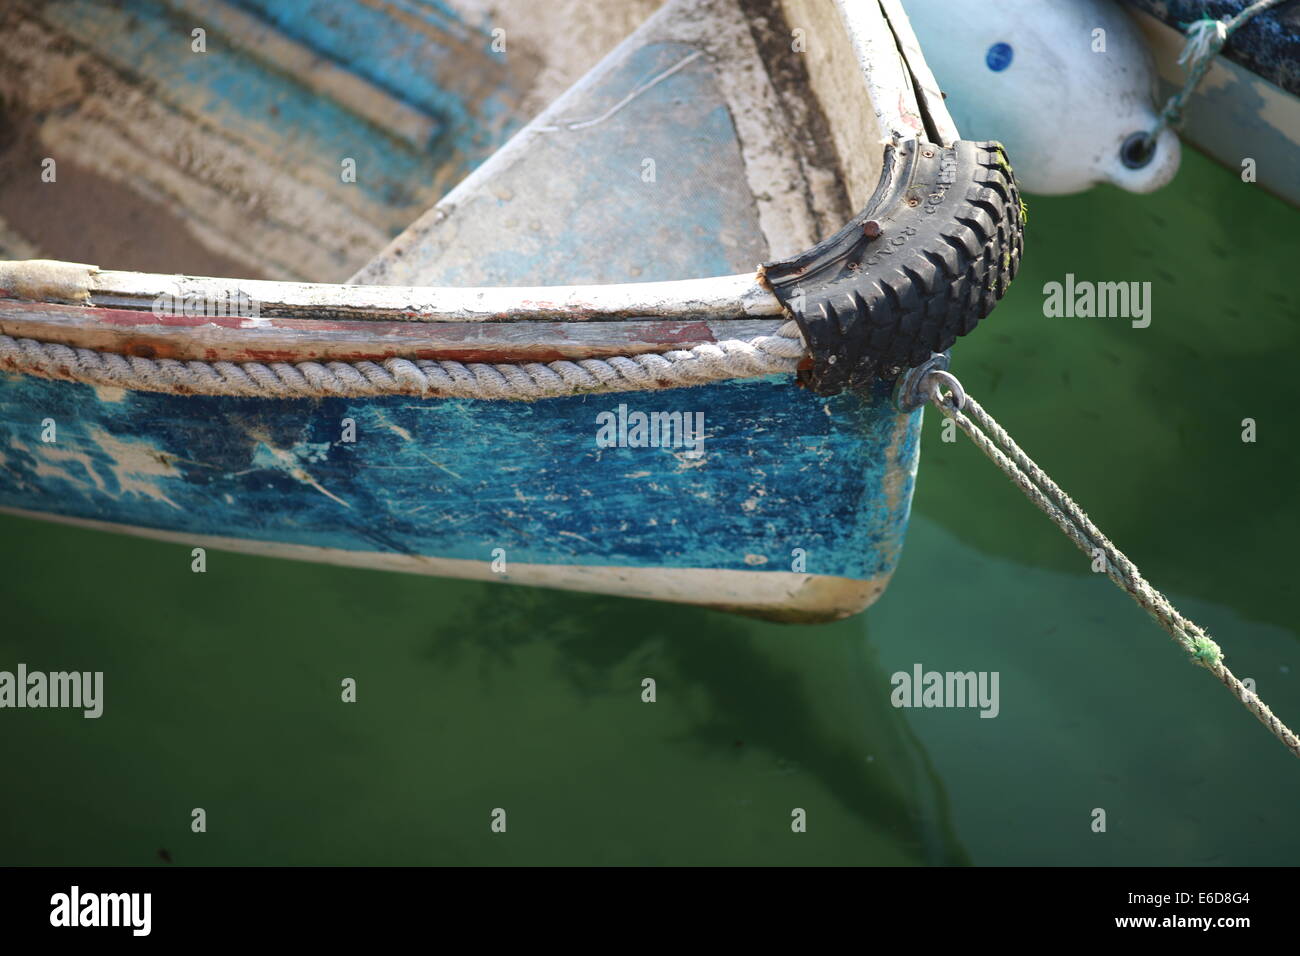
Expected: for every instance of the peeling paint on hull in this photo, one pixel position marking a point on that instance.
(453, 480)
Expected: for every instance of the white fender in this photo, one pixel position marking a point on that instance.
(1061, 84)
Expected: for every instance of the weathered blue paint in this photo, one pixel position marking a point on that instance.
(655, 190)
(781, 469)
(233, 89)
(417, 55)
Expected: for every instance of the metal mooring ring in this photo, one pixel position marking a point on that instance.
(937, 379)
(909, 393)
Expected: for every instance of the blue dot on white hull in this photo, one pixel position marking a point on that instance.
(999, 57)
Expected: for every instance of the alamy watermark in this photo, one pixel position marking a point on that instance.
(921, 688)
(1104, 300)
(236, 304)
(78, 690)
(78, 909)
(623, 429)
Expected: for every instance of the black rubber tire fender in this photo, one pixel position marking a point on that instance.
(930, 256)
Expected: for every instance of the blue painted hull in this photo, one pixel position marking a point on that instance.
(780, 470)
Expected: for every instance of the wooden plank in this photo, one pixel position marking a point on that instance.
(730, 296)
(308, 67)
(280, 339)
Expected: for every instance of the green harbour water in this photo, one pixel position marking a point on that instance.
(223, 689)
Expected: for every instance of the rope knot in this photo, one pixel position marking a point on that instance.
(1204, 39)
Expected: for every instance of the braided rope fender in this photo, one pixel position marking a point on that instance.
(933, 252)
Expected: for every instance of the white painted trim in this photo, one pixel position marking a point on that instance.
(735, 296)
(926, 87)
(889, 84)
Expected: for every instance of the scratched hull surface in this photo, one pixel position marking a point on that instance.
(673, 158)
(456, 479)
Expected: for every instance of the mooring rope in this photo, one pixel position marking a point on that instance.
(526, 381)
(727, 359)
(998, 446)
(1205, 38)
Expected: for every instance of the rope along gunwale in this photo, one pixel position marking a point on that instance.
(998, 446)
(525, 381)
